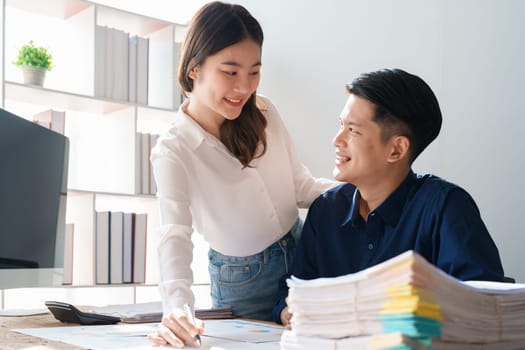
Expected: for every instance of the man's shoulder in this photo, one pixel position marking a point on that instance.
(433, 188)
(340, 195)
(433, 183)
(344, 189)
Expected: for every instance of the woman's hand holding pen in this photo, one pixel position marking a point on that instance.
(177, 329)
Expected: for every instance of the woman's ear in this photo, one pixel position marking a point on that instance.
(193, 73)
(400, 148)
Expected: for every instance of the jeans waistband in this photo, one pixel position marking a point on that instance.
(276, 248)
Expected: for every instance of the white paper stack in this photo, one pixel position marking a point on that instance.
(411, 297)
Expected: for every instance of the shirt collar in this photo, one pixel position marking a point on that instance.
(192, 132)
(390, 210)
(353, 213)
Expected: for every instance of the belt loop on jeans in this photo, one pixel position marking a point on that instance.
(266, 255)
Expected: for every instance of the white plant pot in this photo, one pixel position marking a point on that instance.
(34, 75)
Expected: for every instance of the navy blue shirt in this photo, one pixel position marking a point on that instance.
(435, 218)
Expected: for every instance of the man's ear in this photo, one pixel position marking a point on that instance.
(400, 148)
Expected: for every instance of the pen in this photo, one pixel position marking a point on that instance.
(191, 317)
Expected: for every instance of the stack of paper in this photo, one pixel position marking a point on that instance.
(410, 297)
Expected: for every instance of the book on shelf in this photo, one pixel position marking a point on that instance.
(145, 149)
(127, 247)
(116, 247)
(119, 65)
(177, 95)
(108, 62)
(132, 69)
(142, 70)
(144, 179)
(51, 119)
(410, 296)
(138, 163)
(139, 250)
(68, 253)
(100, 57)
(103, 219)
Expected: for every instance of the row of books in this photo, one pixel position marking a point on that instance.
(120, 247)
(121, 65)
(404, 303)
(144, 179)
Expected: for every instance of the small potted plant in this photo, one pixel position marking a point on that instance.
(34, 62)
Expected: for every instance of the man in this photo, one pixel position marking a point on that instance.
(384, 208)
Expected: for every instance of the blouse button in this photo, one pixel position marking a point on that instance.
(370, 246)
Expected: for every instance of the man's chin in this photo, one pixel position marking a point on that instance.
(338, 175)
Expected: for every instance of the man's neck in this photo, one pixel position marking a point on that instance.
(373, 194)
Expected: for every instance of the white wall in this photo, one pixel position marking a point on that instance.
(471, 52)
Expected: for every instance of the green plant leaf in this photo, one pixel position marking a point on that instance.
(30, 55)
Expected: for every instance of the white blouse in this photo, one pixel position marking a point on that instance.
(239, 211)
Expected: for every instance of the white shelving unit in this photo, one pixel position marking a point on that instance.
(102, 131)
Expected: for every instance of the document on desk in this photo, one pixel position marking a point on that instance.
(243, 331)
(218, 335)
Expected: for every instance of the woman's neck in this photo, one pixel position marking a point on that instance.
(204, 117)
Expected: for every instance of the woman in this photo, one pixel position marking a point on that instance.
(227, 168)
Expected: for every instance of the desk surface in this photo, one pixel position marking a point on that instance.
(13, 340)
(10, 340)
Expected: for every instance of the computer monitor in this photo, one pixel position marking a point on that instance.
(33, 189)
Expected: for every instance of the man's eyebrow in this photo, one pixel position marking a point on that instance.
(237, 64)
(341, 119)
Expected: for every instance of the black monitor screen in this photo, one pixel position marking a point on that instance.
(33, 188)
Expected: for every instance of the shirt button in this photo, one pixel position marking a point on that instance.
(370, 246)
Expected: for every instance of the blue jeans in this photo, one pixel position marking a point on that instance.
(249, 284)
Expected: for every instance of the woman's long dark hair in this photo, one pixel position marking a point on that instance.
(214, 27)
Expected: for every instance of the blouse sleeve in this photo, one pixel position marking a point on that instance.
(175, 248)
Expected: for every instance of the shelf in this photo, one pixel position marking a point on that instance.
(59, 99)
(102, 131)
(52, 8)
(133, 23)
(74, 191)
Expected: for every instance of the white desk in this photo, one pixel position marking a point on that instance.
(14, 340)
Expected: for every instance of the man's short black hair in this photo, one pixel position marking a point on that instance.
(405, 105)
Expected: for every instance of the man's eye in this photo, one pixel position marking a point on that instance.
(230, 73)
(254, 73)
